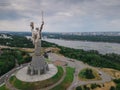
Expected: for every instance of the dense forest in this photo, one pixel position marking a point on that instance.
(99, 38)
(10, 57)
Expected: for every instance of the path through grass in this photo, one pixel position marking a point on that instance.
(67, 80)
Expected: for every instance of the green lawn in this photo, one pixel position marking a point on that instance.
(67, 80)
(48, 60)
(37, 85)
(3, 88)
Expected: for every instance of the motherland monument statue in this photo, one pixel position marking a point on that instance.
(38, 65)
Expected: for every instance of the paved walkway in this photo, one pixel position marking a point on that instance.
(23, 76)
(10, 86)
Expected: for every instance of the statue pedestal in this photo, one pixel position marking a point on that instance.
(37, 66)
(23, 76)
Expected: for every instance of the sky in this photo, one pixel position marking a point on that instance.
(61, 15)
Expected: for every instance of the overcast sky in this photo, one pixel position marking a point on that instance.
(61, 15)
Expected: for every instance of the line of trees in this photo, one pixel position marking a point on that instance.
(100, 38)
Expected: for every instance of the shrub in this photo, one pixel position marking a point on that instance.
(79, 88)
(112, 88)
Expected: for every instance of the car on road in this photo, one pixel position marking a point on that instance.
(100, 73)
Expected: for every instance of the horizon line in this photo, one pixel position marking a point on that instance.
(64, 32)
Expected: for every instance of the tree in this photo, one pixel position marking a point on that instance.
(93, 86)
(79, 88)
(118, 87)
(112, 88)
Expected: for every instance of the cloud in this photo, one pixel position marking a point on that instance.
(61, 15)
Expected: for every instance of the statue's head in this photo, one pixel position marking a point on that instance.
(32, 25)
(37, 29)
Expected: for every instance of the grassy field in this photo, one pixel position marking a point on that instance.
(67, 80)
(36, 85)
(3, 88)
(82, 75)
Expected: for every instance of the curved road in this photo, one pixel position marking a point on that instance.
(57, 83)
(8, 74)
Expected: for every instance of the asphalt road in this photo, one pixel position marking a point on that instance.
(4, 77)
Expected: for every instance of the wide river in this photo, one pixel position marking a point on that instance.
(102, 47)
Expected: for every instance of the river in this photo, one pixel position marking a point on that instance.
(101, 47)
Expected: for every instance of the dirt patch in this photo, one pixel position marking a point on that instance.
(27, 49)
(114, 73)
(51, 49)
(60, 63)
(106, 86)
(101, 86)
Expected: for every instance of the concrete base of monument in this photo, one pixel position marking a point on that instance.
(23, 76)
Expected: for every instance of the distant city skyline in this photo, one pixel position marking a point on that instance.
(61, 15)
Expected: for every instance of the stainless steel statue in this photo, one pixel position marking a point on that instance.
(38, 65)
(36, 37)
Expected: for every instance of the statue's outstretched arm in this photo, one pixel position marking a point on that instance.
(41, 26)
